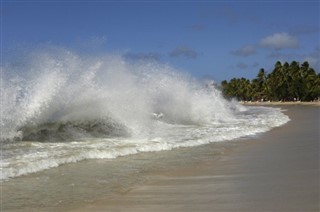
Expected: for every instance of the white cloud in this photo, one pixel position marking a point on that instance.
(279, 41)
(244, 51)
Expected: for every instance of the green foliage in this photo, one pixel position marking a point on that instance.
(287, 82)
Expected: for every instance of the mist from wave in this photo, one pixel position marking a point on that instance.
(61, 86)
(60, 107)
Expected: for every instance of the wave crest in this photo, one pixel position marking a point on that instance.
(59, 86)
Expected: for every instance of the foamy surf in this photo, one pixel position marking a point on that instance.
(59, 107)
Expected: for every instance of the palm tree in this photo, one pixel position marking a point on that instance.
(285, 82)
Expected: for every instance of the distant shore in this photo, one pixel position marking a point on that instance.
(315, 103)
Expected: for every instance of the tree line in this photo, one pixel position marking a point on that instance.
(287, 82)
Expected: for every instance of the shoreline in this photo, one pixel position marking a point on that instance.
(277, 171)
(316, 103)
(274, 171)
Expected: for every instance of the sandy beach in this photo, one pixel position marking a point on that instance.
(315, 103)
(274, 171)
(277, 171)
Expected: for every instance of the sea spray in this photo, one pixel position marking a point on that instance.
(64, 87)
(60, 107)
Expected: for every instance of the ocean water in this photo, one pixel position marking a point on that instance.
(60, 107)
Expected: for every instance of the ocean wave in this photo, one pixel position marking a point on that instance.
(75, 130)
(60, 107)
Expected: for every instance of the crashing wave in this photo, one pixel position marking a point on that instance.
(62, 107)
(75, 130)
(67, 92)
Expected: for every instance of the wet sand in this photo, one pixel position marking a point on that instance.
(315, 103)
(276, 171)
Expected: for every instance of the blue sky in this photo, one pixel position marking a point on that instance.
(222, 39)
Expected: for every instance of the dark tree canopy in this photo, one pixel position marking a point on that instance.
(287, 82)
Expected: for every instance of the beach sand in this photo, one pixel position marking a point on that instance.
(315, 103)
(276, 171)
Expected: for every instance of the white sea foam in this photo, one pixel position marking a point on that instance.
(72, 108)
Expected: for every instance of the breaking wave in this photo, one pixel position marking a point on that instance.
(60, 107)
